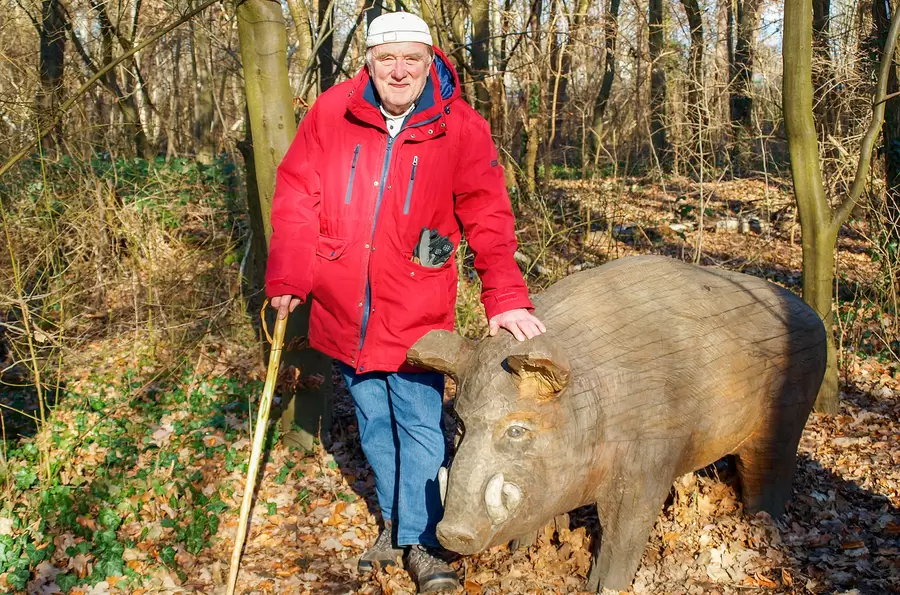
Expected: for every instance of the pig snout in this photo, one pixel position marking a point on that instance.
(457, 538)
(468, 532)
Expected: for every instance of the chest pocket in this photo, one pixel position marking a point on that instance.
(411, 185)
(349, 194)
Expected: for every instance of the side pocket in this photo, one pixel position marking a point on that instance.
(330, 248)
(412, 181)
(352, 175)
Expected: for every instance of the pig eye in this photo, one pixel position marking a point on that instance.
(516, 432)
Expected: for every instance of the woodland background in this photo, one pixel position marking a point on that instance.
(757, 135)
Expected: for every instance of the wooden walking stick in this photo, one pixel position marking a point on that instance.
(259, 437)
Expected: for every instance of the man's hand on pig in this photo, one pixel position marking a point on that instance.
(521, 323)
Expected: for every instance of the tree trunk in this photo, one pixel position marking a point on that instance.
(52, 63)
(695, 109)
(816, 218)
(575, 33)
(823, 71)
(742, 80)
(481, 35)
(325, 55)
(890, 130)
(657, 81)
(302, 29)
(204, 146)
(610, 34)
(263, 41)
(174, 103)
(125, 101)
(534, 101)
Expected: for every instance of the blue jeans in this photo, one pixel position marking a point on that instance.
(400, 427)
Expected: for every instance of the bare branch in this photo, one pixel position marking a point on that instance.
(97, 76)
(868, 142)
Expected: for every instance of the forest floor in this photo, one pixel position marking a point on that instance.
(152, 459)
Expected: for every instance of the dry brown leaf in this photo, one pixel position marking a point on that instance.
(786, 577)
(762, 581)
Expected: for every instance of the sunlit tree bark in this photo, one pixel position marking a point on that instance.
(263, 39)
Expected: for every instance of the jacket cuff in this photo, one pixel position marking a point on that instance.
(281, 287)
(504, 301)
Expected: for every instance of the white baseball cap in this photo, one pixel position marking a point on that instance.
(398, 26)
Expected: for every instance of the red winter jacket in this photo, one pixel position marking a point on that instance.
(350, 204)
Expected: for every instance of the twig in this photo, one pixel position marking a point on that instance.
(97, 76)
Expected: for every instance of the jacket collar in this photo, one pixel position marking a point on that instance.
(441, 89)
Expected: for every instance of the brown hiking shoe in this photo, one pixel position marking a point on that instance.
(430, 571)
(382, 551)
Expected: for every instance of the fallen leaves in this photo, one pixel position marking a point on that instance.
(841, 532)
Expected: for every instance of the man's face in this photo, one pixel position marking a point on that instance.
(399, 70)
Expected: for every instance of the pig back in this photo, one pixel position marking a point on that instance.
(677, 354)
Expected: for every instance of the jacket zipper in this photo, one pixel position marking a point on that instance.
(412, 180)
(368, 301)
(352, 175)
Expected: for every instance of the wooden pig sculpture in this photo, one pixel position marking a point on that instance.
(650, 368)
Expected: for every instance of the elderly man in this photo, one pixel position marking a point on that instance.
(368, 205)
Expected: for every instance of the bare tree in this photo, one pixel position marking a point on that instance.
(881, 21)
(696, 112)
(327, 70)
(202, 92)
(655, 20)
(742, 80)
(823, 70)
(819, 221)
(610, 35)
(481, 35)
(52, 65)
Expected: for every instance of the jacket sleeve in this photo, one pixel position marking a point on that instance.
(295, 216)
(483, 208)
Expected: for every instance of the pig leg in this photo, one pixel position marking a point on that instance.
(767, 460)
(627, 518)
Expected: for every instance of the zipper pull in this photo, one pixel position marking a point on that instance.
(415, 163)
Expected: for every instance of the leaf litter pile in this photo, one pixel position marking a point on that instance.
(148, 468)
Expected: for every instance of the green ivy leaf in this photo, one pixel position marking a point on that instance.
(18, 578)
(66, 581)
(167, 555)
(109, 519)
(25, 478)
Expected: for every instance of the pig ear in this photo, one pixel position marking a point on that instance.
(442, 351)
(542, 371)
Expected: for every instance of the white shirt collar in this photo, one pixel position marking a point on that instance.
(391, 116)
